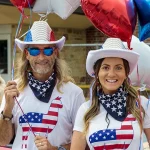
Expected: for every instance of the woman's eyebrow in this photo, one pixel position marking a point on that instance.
(119, 65)
(105, 65)
(109, 65)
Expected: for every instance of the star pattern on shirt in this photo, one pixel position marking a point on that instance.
(31, 117)
(103, 135)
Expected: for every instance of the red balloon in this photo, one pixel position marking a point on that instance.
(115, 18)
(21, 4)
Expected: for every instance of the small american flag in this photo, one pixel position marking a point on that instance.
(40, 123)
(110, 139)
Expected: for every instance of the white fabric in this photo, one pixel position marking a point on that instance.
(99, 123)
(71, 98)
(113, 47)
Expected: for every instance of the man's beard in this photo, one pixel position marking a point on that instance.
(47, 66)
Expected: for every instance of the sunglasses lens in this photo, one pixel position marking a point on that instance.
(48, 51)
(34, 51)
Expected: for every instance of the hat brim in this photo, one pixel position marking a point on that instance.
(94, 55)
(22, 44)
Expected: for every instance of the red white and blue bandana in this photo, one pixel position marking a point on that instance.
(42, 90)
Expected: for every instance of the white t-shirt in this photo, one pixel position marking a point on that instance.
(119, 135)
(54, 120)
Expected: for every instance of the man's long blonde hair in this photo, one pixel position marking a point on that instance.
(131, 99)
(63, 72)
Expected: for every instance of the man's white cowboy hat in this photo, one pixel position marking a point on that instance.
(113, 47)
(40, 33)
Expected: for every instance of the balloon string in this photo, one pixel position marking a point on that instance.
(24, 116)
(30, 21)
(14, 49)
(30, 13)
(148, 102)
(20, 24)
(22, 16)
(14, 56)
(140, 143)
(139, 96)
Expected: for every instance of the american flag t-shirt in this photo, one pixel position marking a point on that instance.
(114, 139)
(41, 124)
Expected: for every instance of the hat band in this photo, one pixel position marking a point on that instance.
(42, 37)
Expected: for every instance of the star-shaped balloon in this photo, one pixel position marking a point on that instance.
(21, 4)
(143, 7)
(63, 8)
(115, 18)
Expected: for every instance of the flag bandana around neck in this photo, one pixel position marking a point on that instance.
(42, 90)
(115, 104)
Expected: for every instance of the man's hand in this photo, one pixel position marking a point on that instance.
(43, 144)
(10, 92)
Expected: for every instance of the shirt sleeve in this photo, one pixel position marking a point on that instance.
(146, 105)
(79, 100)
(79, 122)
(2, 104)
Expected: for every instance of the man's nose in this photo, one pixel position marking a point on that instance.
(41, 55)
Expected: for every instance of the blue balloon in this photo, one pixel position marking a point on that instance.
(143, 9)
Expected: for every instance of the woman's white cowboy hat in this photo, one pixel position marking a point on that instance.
(113, 47)
(40, 33)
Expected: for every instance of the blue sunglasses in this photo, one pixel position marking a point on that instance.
(36, 51)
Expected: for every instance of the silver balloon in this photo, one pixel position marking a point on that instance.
(141, 75)
(63, 8)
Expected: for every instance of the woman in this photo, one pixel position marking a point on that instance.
(116, 116)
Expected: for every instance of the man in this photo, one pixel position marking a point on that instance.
(40, 107)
